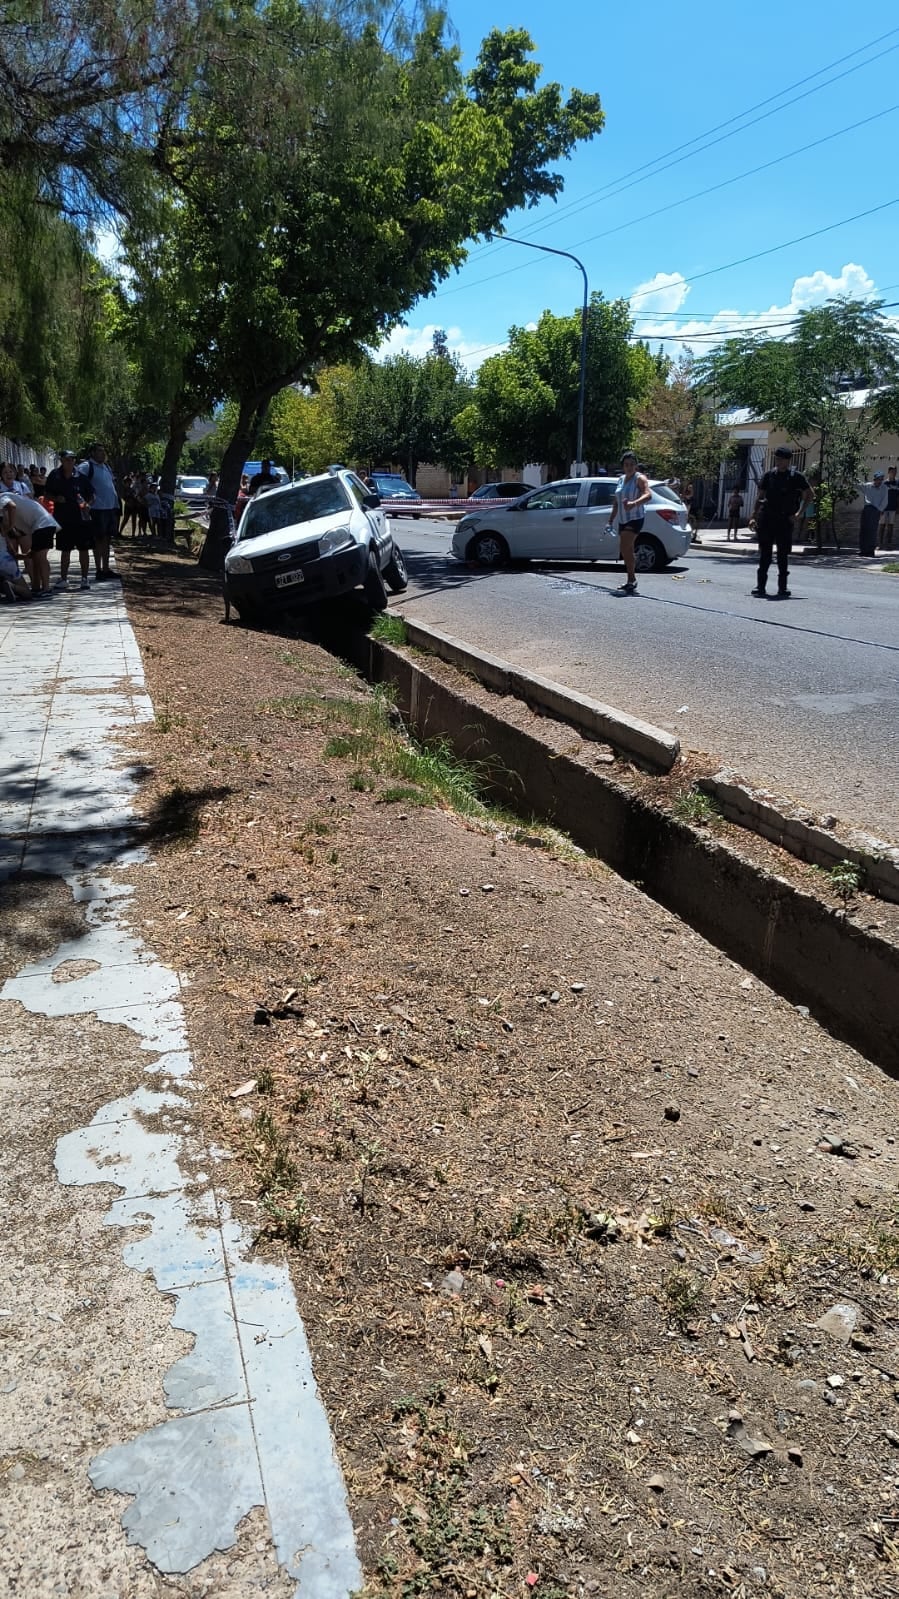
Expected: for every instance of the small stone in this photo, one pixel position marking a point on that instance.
(835, 1381)
(578, 988)
(679, 1253)
(657, 1484)
(808, 1385)
(17, 1473)
(803, 1010)
(486, 888)
(839, 1322)
(672, 1113)
(554, 997)
(891, 1437)
(759, 1575)
(806, 1204)
(692, 1071)
(453, 1283)
(795, 1455)
(261, 1017)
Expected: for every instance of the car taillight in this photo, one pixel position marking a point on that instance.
(667, 516)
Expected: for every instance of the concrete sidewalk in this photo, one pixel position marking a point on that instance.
(143, 1351)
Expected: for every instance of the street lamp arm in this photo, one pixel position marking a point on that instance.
(548, 249)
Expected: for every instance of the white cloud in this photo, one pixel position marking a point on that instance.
(812, 289)
(667, 291)
(418, 341)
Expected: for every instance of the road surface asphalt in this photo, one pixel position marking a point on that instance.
(799, 696)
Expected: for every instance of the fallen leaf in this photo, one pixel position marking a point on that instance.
(243, 1088)
(485, 1345)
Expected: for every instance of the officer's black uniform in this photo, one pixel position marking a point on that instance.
(783, 494)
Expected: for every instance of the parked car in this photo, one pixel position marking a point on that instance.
(400, 498)
(312, 541)
(569, 521)
(501, 491)
(192, 488)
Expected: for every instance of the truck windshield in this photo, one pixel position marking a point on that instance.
(305, 502)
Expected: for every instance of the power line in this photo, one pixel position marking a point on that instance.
(773, 249)
(705, 140)
(687, 199)
(751, 172)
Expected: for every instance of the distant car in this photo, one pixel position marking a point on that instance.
(569, 521)
(501, 491)
(193, 488)
(398, 496)
(312, 541)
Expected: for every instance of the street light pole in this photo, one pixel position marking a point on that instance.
(505, 238)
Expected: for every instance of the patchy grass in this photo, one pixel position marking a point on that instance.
(389, 629)
(696, 807)
(846, 879)
(892, 566)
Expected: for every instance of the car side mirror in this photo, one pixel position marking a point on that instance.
(372, 501)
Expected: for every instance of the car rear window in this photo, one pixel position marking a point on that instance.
(305, 502)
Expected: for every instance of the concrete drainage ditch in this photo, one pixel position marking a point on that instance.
(804, 949)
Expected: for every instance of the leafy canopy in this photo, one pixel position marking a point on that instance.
(311, 217)
(525, 401)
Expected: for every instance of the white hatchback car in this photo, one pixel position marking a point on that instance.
(311, 541)
(569, 521)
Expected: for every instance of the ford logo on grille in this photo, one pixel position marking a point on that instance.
(285, 556)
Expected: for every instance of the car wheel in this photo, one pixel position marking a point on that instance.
(649, 555)
(488, 549)
(395, 574)
(373, 585)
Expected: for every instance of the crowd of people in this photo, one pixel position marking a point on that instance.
(80, 508)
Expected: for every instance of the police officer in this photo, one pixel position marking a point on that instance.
(782, 498)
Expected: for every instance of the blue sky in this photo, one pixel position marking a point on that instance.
(667, 76)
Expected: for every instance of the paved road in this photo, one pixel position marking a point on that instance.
(801, 696)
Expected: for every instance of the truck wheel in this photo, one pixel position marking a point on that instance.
(395, 574)
(373, 586)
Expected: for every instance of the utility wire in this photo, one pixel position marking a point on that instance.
(773, 249)
(686, 200)
(705, 140)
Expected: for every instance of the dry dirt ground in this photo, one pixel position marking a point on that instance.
(551, 1172)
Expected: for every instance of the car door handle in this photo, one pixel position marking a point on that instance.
(568, 519)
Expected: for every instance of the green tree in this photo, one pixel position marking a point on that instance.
(525, 401)
(677, 433)
(87, 88)
(404, 409)
(802, 384)
(312, 217)
(308, 425)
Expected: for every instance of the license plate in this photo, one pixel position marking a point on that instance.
(284, 580)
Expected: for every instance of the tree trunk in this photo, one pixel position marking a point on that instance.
(250, 418)
(174, 445)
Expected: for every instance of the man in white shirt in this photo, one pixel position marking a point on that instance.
(876, 501)
(105, 508)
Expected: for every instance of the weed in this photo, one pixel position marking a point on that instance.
(265, 1082)
(361, 783)
(518, 1226)
(891, 566)
(276, 1171)
(440, 1527)
(845, 879)
(287, 1219)
(683, 1294)
(767, 1281)
(389, 629)
(399, 793)
(696, 807)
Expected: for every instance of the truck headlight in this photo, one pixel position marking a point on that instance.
(338, 538)
(238, 563)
